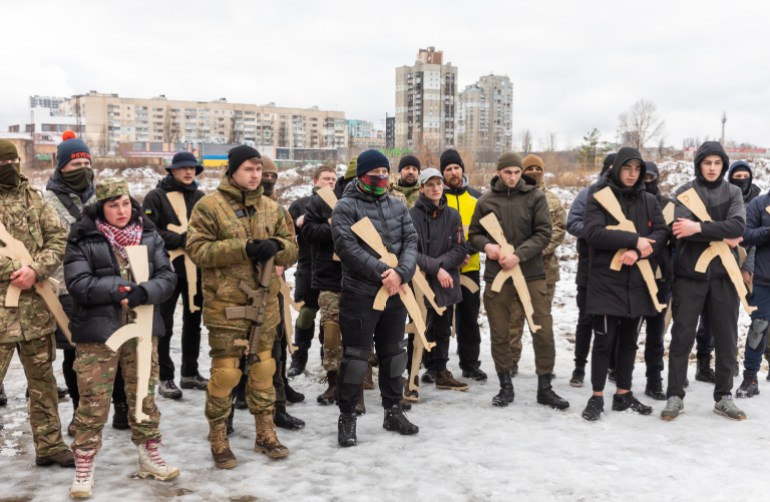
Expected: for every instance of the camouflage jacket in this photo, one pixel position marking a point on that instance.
(410, 194)
(67, 219)
(30, 219)
(558, 229)
(221, 225)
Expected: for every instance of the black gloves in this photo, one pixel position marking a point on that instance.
(262, 250)
(137, 296)
(123, 291)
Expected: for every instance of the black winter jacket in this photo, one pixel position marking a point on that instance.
(304, 257)
(361, 267)
(440, 244)
(758, 234)
(93, 277)
(622, 293)
(327, 273)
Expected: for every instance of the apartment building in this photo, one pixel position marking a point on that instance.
(485, 118)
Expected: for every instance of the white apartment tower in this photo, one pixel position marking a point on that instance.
(485, 118)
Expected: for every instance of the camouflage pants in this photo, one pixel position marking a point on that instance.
(96, 366)
(329, 304)
(36, 358)
(260, 401)
(517, 327)
(5, 361)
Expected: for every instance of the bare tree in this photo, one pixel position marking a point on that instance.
(640, 124)
(526, 141)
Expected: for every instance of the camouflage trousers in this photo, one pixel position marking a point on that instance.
(5, 362)
(96, 366)
(36, 358)
(517, 327)
(329, 304)
(260, 401)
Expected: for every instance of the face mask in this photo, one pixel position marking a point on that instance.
(744, 185)
(374, 184)
(79, 179)
(536, 175)
(9, 175)
(267, 187)
(652, 187)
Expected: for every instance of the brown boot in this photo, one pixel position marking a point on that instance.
(412, 396)
(328, 397)
(267, 442)
(360, 406)
(220, 446)
(62, 458)
(445, 380)
(369, 379)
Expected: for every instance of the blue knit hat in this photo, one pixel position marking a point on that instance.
(371, 159)
(71, 148)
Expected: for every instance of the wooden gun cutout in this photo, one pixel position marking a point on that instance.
(422, 292)
(327, 195)
(288, 304)
(180, 209)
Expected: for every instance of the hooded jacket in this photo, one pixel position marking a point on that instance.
(575, 224)
(463, 199)
(93, 277)
(757, 235)
(361, 266)
(724, 203)
(621, 293)
(748, 189)
(327, 273)
(440, 244)
(665, 258)
(523, 214)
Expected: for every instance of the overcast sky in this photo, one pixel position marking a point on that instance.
(575, 65)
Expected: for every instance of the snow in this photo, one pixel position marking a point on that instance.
(467, 450)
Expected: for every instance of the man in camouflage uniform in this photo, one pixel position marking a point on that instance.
(408, 172)
(30, 326)
(534, 168)
(230, 231)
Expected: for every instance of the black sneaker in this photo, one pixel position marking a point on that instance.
(594, 408)
(622, 402)
(395, 420)
(578, 375)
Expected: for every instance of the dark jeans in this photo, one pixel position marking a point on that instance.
(612, 332)
(191, 333)
(653, 344)
(279, 354)
(467, 326)
(439, 330)
(583, 330)
(359, 325)
(690, 299)
(704, 342)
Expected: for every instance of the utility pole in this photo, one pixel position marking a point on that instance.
(724, 119)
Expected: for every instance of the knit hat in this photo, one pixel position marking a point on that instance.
(371, 159)
(268, 166)
(509, 159)
(107, 188)
(451, 156)
(238, 155)
(429, 173)
(71, 148)
(533, 160)
(409, 160)
(185, 159)
(351, 171)
(8, 150)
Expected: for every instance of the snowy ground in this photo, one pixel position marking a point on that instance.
(466, 450)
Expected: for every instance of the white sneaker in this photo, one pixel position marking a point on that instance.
(151, 464)
(83, 485)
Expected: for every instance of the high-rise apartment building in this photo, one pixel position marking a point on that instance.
(426, 93)
(485, 118)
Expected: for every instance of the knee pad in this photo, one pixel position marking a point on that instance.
(394, 365)
(757, 331)
(225, 375)
(262, 371)
(332, 337)
(306, 317)
(354, 364)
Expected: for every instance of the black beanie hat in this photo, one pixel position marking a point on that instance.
(450, 156)
(71, 148)
(238, 155)
(409, 160)
(371, 159)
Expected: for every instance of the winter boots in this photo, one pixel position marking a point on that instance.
(83, 485)
(63, 458)
(622, 402)
(267, 442)
(594, 408)
(152, 465)
(328, 396)
(578, 375)
(674, 408)
(475, 374)
(292, 395)
(194, 382)
(220, 446)
(749, 387)
(654, 389)
(395, 420)
(445, 380)
(120, 416)
(703, 371)
(546, 395)
(505, 396)
(298, 360)
(283, 420)
(346, 430)
(726, 407)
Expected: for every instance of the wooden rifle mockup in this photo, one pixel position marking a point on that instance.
(288, 305)
(328, 196)
(180, 209)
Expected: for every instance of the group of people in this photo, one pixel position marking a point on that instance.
(358, 242)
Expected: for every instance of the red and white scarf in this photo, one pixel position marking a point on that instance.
(119, 238)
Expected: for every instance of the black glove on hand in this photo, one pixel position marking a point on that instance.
(262, 250)
(137, 296)
(122, 291)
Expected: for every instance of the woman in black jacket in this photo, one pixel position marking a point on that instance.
(618, 300)
(98, 278)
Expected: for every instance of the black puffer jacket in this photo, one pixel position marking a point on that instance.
(724, 203)
(361, 267)
(440, 244)
(93, 277)
(327, 273)
(158, 209)
(622, 293)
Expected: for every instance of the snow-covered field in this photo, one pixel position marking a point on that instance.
(466, 450)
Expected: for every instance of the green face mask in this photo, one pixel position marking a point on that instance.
(79, 179)
(9, 175)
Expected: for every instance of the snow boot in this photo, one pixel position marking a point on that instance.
(505, 396)
(328, 396)
(220, 446)
(283, 420)
(749, 387)
(546, 395)
(578, 375)
(267, 442)
(622, 402)
(726, 407)
(445, 380)
(120, 416)
(152, 465)
(703, 371)
(593, 409)
(395, 420)
(674, 408)
(346, 430)
(83, 485)
(654, 389)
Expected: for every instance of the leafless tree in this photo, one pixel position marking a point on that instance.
(640, 124)
(526, 141)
